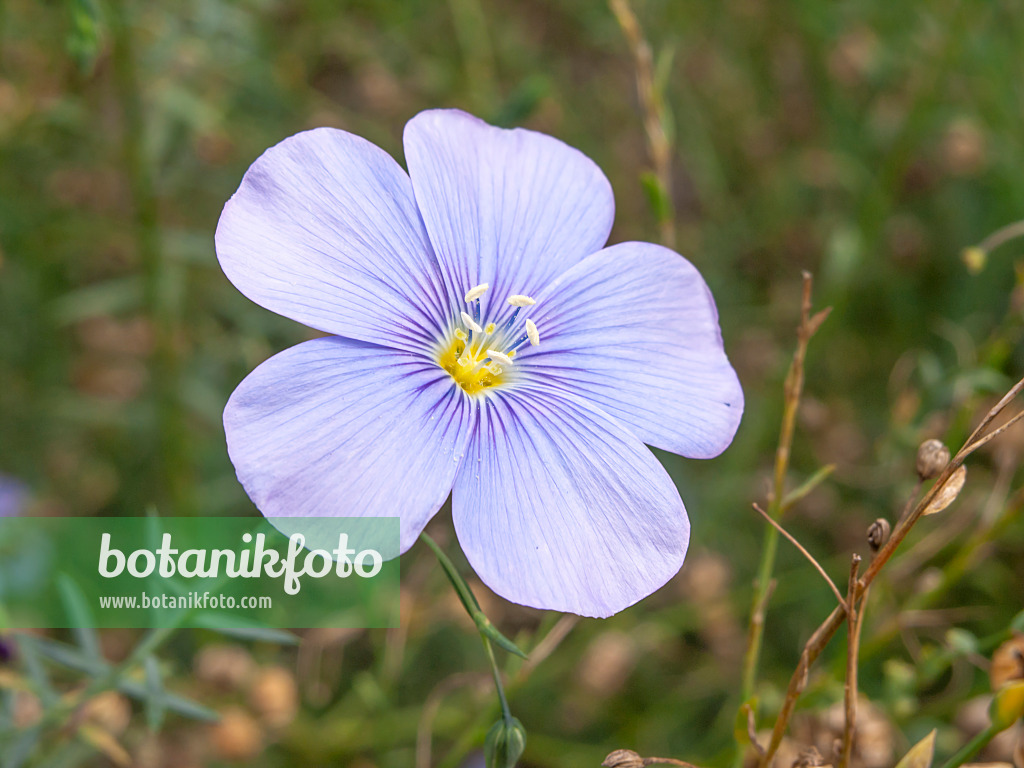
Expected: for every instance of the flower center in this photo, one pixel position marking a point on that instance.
(479, 357)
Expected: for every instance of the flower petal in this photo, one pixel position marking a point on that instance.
(335, 427)
(324, 229)
(634, 329)
(558, 506)
(512, 208)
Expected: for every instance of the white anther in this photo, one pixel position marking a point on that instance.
(532, 333)
(477, 291)
(494, 369)
(464, 361)
(500, 357)
(470, 323)
(519, 300)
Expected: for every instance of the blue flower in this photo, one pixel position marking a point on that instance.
(485, 344)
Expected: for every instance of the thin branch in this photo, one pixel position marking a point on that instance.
(995, 432)
(826, 631)
(545, 647)
(850, 689)
(1003, 235)
(805, 553)
(792, 391)
(995, 411)
(659, 145)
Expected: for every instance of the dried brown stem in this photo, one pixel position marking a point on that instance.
(853, 641)
(817, 642)
(659, 146)
(793, 388)
(817, 566)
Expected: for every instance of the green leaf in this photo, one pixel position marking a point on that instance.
(657, 197)
(70, 657)
(22, 748)
(240, 629)
(807, 486)
(156, 700)
(487, 628)
(29, 648)
(469, 601)
(83, 41)
(80, 616)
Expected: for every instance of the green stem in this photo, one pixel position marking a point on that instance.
(486, 629)
(973, 747)
(506, 713)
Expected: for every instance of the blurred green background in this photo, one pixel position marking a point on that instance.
(868, 142)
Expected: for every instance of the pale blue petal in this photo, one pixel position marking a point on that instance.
(335, 427)
(512, 208)
(559, 506)
(324, 229)
(634, 329)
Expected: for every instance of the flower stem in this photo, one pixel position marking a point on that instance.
(484, 626)
(971, 748)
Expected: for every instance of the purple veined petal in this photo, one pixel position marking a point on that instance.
(634, 329)
(336, 427)
(324, 230)
(512, 208)
(559, 506)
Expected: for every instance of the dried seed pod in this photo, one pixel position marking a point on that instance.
(878, 533)
(932, 458)
(1007, 662)
(948, 493)
(623, 758)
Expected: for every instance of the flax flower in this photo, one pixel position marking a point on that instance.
(484, 344)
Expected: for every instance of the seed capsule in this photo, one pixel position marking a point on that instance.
(623, 758)
(878, 533)
(932, 458)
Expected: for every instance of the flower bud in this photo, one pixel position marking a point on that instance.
(623, 758)
(1007, 706)
(1007, 662)
(932, 458)
(878, 534)
(504, 744)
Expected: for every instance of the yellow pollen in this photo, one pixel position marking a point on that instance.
(467, 367)
(489, 328)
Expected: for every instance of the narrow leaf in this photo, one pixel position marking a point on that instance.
(232, 626)
(156, 705)
(80, 616)
(487, 628)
